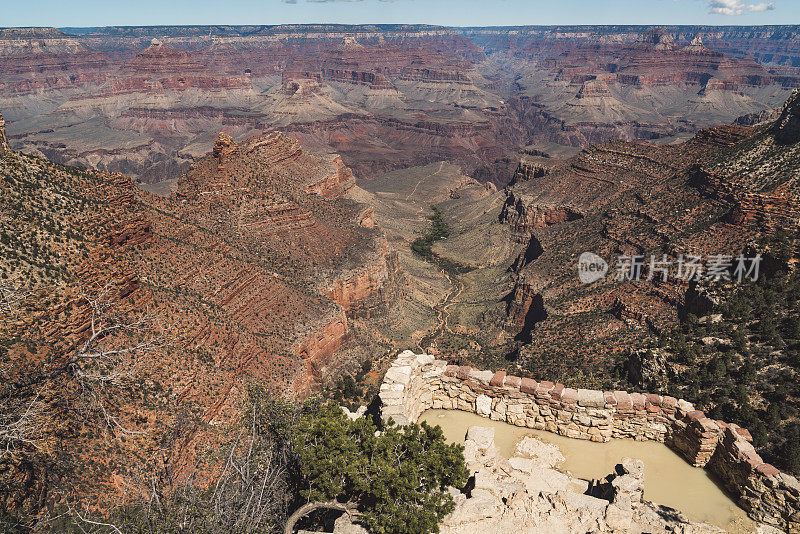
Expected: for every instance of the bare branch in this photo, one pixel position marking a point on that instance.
(21, 425)
(349, 508)
(11, 299)
(78, 518)
(109, 355)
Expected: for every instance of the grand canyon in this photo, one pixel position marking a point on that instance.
(208, 232)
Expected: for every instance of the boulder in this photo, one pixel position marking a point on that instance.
(544, 454)
(354, 415)
(483, 405)
(343, 525)
(618, 519)
(482, 436)
(524, 465)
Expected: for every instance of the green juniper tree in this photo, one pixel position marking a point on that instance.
(396, 481)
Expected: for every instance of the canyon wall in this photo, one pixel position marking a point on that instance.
(148, 101)
(416, 383)
(524, 218)
(272, 200)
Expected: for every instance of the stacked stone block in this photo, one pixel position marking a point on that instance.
(767, 494)
(695, 436)
(407, 389)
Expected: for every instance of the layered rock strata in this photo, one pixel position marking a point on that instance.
(269, 197)
(528, 170)
(717, 192)
(416, 383)
(146, 101)
(765, 211)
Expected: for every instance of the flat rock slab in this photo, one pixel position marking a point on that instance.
(591, 398)
(482, 436)
(400, 374)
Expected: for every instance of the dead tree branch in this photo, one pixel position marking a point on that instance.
(110, 354)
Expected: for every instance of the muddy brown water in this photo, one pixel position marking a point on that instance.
(669, 479)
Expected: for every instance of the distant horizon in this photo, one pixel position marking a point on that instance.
(366, 24)
(441, 13)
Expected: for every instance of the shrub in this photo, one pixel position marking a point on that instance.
(397, 479)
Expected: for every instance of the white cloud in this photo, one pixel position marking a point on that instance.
(727, 7)
(759, 8)
(737, 7)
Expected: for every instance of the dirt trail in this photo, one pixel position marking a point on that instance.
(441, 166)
(442, 309)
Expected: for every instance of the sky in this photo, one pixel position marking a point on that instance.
(76, 13)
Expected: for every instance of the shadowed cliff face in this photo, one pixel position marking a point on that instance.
(4, 148)
(150, 101)
(788, 128)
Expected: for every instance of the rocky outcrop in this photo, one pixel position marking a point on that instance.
(159, 58)
(696, 45)
(4, 148)
(369, 289)
(787, 130)
(369, 79)
(766, 212)
(648, 369)
(526, 494)
(527, 170)
(333, 180)
(224, 147)
(759, 117)
(762, 210)
(316, 350)
(524, 217)
(416, 383)
(526, 307)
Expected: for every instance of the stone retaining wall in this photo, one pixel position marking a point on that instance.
(416, 383)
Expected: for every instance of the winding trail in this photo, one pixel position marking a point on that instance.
(443, 312)
(441, 166)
